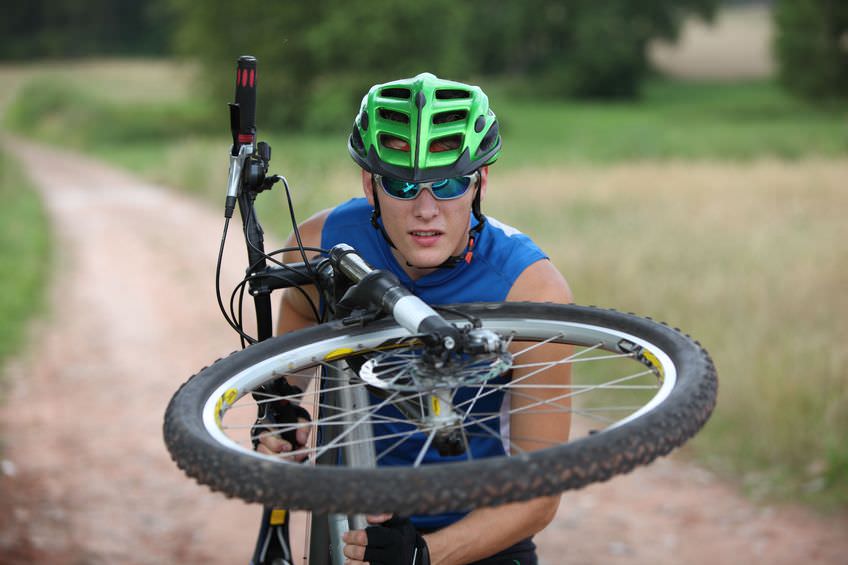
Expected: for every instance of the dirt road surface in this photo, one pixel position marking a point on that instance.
(86, 478)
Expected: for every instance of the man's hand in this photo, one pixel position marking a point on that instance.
(270, 443)
(393, 542)
(279, 430)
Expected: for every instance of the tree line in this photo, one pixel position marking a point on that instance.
(318, 57)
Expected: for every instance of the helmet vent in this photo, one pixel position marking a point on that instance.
(393, 142)
(452, 116)
(489, 139)
(393, 115)
(452, 93)
(356, 141)
(394, 92)
(449, 143)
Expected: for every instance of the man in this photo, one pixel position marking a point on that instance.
(425, 146)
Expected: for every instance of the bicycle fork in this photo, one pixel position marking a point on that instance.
(325, 543)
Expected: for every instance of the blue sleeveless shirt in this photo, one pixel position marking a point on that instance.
(501, 254)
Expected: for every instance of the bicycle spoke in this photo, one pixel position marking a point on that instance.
(513, 384)
(396, 444)
(570, 386)
(518, 380)
(535, 345)
(465, 442)
(300, 396)
(373, 410)
(571, 361)
(425, 447)
(313, 452)
(281, 428)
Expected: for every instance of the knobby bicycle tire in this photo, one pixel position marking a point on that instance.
(671, 417)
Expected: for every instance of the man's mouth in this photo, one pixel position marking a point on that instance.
(426, 238)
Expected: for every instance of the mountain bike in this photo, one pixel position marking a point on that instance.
(382, 371)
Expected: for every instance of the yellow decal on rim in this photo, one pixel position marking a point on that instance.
(227, 399)
(655, 363)
(338, 354)
(437, 408)
(278, 517)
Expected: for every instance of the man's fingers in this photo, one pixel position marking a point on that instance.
(356, 552)
(378, 518)
(355, 537)
(354, 548)
(272, 444)
(302, 433)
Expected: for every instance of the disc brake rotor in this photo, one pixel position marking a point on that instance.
(411, 370)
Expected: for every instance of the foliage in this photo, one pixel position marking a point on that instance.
(812, 47)
(578, 47)
(319, 58)
(56, 110)
(46, 28)
(23, 255)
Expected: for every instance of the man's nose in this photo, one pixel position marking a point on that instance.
(426, 205)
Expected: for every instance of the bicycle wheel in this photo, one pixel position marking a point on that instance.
(637, 390)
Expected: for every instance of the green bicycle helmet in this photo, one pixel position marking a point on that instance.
(424, 128)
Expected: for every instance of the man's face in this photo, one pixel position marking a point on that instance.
(425, 231)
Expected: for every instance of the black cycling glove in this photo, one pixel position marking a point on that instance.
(281, 411)
(396, 542)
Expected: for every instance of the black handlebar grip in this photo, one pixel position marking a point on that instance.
(246, 98)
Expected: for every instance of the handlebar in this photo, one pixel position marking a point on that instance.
(372, 288)
(383, 290)
(244, 132)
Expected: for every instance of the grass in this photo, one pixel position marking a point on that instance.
(716, 207)
(674, 120)
(24, 256)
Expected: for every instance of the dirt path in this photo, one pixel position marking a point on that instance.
(86, 478)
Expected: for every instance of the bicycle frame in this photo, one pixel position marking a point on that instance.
(246, 179)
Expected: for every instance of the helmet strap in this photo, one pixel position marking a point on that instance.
(375, 216)
(473, 234)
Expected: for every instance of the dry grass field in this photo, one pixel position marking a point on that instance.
(114, 79)
(747, 257)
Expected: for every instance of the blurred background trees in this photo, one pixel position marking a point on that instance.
(320, 56)
(812, 46)
(46, 28)
(324, 54)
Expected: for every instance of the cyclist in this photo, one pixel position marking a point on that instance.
(424, 146)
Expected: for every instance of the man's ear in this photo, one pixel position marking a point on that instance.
(368, 186)
(484, 180)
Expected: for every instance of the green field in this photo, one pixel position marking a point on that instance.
(717, 207)
(24, 255)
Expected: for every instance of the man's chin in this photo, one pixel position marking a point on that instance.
(426, 262)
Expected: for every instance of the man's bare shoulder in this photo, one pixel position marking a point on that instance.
(310, 234)
(541, 282)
